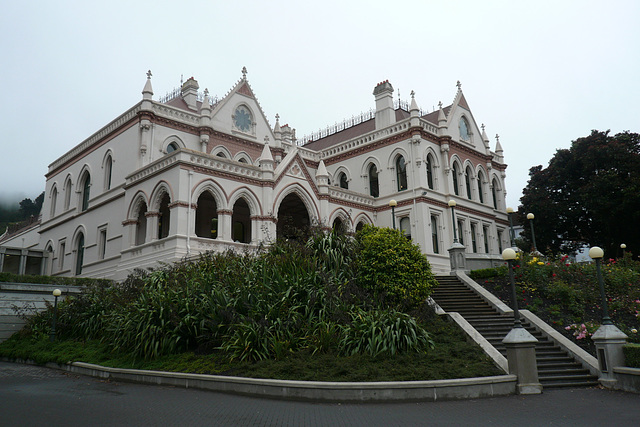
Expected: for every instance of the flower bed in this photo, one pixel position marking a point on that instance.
(566, 295)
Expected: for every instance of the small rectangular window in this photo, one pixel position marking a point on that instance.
(474, 246)
(102, 243)
(485, 235)
(460, 232)
(434, 234)
(61, 256)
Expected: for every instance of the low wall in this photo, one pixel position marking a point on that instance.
(317, 391)
(20, 299)
(627, 379)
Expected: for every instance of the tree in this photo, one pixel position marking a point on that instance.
(30, 208)
(589, 194)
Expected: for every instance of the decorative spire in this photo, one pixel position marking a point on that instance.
(244, 73)
(205, 101)
(485, 138)
(147, 92)
(459, 85)
(414, 104)
(498, 146)
(266, 152)
(442, 119)
(322, 170)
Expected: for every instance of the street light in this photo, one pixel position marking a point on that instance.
(530, 217)
(393, 205)
(512, 233)
(56, 294)
(452, 205)
(623, 247)
(597, 254)
(509, 255)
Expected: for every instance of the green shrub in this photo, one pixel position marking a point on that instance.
(383, 332)
(392, 267)
(488, 273)
(632, 355)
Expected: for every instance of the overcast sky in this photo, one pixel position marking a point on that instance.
(540, 74)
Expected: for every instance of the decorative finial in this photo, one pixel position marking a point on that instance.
(181, 79)
(244, 73)
(459, 85)
(498, 138)
(149, 74)
(266, 139)
(413, 94)
(440, 105)
(277, 117)
(482, 127)
(206, 91)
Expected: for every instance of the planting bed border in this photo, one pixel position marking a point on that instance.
(316, 391)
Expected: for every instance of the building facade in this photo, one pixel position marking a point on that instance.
(173, 177)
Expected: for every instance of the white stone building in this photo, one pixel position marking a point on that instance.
(174, 177)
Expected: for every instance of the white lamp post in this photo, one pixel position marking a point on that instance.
(530, 217)
(511, 232)
(393, 205)
(56, 294)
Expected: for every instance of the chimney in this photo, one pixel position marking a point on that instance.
(190, 92)
(385, 115)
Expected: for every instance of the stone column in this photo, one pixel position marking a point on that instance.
(609, 341)
(521, 355)
(457, 258)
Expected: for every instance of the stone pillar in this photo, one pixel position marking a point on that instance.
(521, 355)
(609, 341)
(457, 258)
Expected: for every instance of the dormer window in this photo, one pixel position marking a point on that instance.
(465, 135)
(172, 147)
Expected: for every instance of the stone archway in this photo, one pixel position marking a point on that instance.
(293, 218)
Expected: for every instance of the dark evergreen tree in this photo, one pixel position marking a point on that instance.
(589, 194)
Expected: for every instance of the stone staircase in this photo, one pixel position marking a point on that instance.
(556, 367)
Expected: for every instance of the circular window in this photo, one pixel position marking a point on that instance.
(242, 119)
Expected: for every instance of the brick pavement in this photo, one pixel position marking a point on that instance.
(32, 395)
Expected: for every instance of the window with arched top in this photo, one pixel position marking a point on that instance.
(455, 173)
(401, 173)
(54, 200)
(79, 254)
(494, 191)
(467, 181)
(86, 188)
(141, 224)
(344, 183)
(480, 187)
(108, 165)
(430, 172)
(67, 194)
(164, 217)
(374, 188)
(221, 154)
(463, 126)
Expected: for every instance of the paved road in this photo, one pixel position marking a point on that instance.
(35, 396)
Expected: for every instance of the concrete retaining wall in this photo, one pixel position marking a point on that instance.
(466, 388)
(19, 299)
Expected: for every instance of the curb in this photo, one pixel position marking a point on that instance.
(316, 391)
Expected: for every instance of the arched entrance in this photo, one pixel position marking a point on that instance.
(293, 218)
(207, 216)
(241, 221)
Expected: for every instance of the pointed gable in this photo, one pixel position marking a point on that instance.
(246, 90)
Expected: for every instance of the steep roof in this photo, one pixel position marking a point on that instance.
(363, 128)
